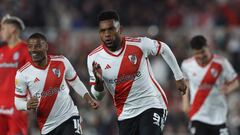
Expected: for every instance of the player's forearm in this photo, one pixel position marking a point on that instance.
(79, 87)
(171, 61)
(232, 86)
(185, 102)
(20, 103)
(97, 95)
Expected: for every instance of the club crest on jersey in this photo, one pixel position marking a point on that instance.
(16, 56)
(214, 72)
(56, 72)
(132, 58)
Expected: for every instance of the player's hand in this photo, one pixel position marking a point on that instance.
(93, 103)
(32, 103)
(97, 71)
(181, 85)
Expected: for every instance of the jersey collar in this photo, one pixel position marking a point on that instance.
(122, 49)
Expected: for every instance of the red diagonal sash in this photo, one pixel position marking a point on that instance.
(52, 83)
(205, 87)
(126, 68)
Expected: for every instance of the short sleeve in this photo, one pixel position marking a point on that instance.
(20, 86)
(92, 79)
(150, 46)
(228, 71)
(70, 71)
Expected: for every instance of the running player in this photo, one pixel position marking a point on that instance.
(210, 78)
(45, 78)
(122, 65)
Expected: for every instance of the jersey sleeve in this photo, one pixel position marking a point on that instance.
(20, 86)
(184, 70)
(70, 71)
(92, 79)
(228, 71)
(150, 47)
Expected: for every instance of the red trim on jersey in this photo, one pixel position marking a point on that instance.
(72, 78)
(47, 101)
(203, 91)
(159, 47)
(132, 39)
(122, 89)
(112, 54)
(42, 68)
(25, 66)
(158, 87)
(20, 96)
(92, 83)
(96, 50)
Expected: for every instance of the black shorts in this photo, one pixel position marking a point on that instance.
(70, 127)
(200, 128)
(149, 122)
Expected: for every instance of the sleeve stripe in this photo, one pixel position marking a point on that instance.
(92, 83)
(159, 47)
(234, 79)
(72, 78)
(20, 96)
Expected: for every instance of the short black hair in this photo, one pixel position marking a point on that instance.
(38, 36)
(107, 15)
(198, 42)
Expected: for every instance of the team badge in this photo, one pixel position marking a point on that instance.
(56, 72)
(214, 72)
(132, 58)
(16, 56)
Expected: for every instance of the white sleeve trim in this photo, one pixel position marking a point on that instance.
(20, 103)
(170, 59)
(78, 86)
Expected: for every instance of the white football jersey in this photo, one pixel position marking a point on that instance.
(208, 104)
(49, 86)
(128, 76)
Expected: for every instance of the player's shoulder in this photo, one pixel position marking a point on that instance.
(219, 59)
(188, 61)
(95, 51)
(24, 67)
(57, 57)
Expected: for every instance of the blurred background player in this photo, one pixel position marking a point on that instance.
(46, 78)
(122, 65)
(211, 77)
(13, 55)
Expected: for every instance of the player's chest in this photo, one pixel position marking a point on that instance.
(207, 75)
(8, 56)
(44, 82)
(115, 67)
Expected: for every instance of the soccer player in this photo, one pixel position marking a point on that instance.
(46, 79)
(13, 55)
(122, 65)
(210, 78)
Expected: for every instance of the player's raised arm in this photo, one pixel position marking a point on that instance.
(96, 81)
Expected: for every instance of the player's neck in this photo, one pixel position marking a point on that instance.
(118, 46)
(43, 63)
(12, 42)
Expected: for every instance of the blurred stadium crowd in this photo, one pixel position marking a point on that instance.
(71, 26)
